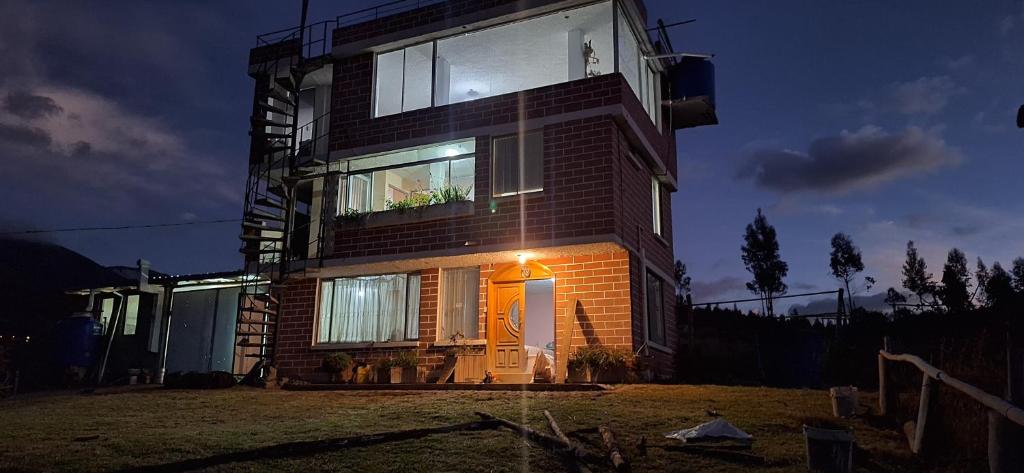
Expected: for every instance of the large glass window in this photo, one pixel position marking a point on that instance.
(131, 316)
(460, 303)
(410, 177)
(655, 310)
(518, 165)
(382, 308)
(637, 70)
(403, 79)
(541, 51)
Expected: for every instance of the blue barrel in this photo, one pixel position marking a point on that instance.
(693, 77)
(77, 340)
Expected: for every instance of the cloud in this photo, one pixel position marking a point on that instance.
(704, 291)
(28, 106)
(850, 161)
(955, 64)
(924, 96)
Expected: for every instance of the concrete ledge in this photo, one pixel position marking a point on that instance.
(535, 387)
(395, 217)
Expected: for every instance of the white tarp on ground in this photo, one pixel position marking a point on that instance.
(716, 430)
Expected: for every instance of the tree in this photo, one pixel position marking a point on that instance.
(682, 280)
(1018, 275)
(845, 262)
(894, 298)
(999, 286)
(761, 258)
(956, 282)
(981, 276)
(916, 277)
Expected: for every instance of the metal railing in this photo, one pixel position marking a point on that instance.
(315, 43)
(383, 10)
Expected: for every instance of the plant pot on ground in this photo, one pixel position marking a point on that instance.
(403, 369)
(591, 363)
(338, 366)
(382, 370)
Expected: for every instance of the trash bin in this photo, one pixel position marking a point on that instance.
(829, 450)
(844, 401)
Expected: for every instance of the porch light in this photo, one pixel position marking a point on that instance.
(522, 258)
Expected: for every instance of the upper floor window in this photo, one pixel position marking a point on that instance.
(408, 177)
(635, 67)
(656, 205)
(383, 308)
(535, 52)
(518, 165)
(403, 79)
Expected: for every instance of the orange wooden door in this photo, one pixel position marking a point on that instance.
(506, 327)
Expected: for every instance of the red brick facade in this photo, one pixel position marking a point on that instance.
(601, 151)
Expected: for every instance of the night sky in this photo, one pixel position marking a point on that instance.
(885, 120)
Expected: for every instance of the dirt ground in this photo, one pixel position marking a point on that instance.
(106, 432)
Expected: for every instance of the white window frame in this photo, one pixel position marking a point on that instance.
(441, 339)
(411, 339)
(656, 206)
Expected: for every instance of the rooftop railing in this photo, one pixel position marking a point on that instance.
(383, 10)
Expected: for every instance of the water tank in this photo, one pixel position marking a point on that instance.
(77, 340)
(692, 101)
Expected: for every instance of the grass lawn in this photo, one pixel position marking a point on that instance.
(103, 432)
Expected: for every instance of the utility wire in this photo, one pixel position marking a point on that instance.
(121, 227)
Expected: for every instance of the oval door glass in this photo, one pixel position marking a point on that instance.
(513, 315)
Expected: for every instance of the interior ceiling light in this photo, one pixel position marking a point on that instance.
(472, 93)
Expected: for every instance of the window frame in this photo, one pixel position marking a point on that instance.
(520, 158)
(401, 102)
(663, 343)
(441, 303)
(657, 222)
(407, 341)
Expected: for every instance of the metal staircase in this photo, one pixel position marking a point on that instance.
(279, 157)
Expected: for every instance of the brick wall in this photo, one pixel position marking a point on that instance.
(574, 203)
(601, 282)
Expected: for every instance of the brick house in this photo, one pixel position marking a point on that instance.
(494, 174)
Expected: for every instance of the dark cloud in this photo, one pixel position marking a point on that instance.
(29, 106)
(849, 161)
(704, 291)
(20, 135)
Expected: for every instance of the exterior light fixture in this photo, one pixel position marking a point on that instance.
(522, 259)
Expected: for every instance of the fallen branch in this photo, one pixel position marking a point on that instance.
(313, 447)
(544, 440)
(613, 448)
(569, 443)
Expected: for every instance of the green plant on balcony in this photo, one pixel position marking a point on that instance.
(351, 215)
(449, 193)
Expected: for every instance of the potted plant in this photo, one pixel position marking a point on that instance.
(382, 370)
(589, 362)
(470, 365)
(403, 369)
(338, 365)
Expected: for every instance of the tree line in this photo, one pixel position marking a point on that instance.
(957, 290)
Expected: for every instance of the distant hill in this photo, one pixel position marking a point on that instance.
(874, 302)
(33, 278)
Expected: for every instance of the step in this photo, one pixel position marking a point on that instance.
(289, 82)
(278, 190)
(257, 310)
(245, 343)
(274, 149)
(272, 108)
(258, 251)
(265, 202)
(257, 122)
(260, 225)
(270, 135)
(264, 298)
(281, 95)
(245, 237)
(252, 334)
(255, 355)
(257, 214)
(257, 322)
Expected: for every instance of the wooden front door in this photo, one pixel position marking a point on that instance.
(506, 326)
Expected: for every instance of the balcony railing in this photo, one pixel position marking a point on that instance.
(383, 10)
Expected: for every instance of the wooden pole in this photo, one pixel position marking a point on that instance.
(883, 391)
(927, 389)
(1006, 437)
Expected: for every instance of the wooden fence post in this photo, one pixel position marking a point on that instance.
(1004, 436)
(915, 430)
(883, 388)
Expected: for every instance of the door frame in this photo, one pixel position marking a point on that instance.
(514, 273)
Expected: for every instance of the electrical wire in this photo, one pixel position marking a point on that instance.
(120, 227)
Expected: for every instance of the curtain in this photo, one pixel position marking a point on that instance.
(364, 309)
(460, 303)
(412, 312)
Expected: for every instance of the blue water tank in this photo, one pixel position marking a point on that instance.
(77, 340)
(693, 77)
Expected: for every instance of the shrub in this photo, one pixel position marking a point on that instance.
(449, 193)
(337, 362)
(406, 359)
(350, 215)
(598, 358)
(385, 363)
